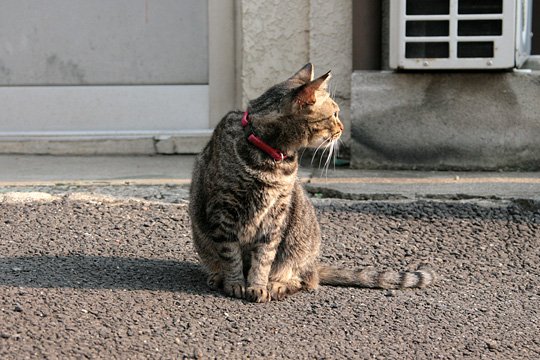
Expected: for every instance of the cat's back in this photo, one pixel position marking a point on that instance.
(219, 152)
(220, 147)
(212, 162)
(226, 133)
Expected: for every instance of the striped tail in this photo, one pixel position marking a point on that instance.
(371, 278)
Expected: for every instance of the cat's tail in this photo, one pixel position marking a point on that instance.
(371, 278)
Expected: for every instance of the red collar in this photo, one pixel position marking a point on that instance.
(258, 142)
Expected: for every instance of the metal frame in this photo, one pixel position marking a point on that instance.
(504, 45)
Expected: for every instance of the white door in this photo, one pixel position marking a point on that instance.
(103, 69)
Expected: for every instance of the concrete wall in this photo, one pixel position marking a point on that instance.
(331, 49)
(276, 38)
(485, 121)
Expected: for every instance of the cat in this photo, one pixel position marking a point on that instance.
(254, 228)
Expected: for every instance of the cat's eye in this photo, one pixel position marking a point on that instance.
(336, 114)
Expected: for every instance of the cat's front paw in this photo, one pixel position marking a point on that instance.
(258, 294)
(237, 290)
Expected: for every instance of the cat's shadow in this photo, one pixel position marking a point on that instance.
(102, 272)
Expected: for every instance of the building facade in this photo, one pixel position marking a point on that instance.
(154, 77)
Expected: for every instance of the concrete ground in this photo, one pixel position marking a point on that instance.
(341, 182)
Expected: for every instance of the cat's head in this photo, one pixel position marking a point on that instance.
(300, 110)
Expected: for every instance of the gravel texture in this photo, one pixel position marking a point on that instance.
(108, 277)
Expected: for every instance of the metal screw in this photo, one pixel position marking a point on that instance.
(426, 63)
(490, 62)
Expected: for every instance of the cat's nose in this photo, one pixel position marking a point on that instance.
(340, 124)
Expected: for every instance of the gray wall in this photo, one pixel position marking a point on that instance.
(441, 121)
(74, 42)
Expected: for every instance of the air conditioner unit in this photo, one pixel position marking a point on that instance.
(459, 34)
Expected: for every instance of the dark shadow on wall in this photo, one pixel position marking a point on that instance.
(536, 28)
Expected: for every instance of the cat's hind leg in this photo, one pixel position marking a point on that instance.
(215, 281)
(280, 290)
(283, 282)
(286, 282)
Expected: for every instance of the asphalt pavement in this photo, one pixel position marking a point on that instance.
(96, 261)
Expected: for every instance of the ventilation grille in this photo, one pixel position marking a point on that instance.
(452, 34)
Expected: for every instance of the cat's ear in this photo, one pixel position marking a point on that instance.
(306, 94)
(305, 74)
(321, 83)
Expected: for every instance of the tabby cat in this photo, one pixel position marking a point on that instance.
(254, 228)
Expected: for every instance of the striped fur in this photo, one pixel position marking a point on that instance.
(254, 228)
(371, 278)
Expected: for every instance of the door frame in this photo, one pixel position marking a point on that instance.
(220, 98)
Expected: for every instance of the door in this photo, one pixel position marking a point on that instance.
(103, 69)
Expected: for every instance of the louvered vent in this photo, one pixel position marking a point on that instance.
(455, 34)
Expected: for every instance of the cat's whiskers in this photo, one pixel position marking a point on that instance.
(317, 149)
(332, 146)
(336, 153)
(324, 145)
(322, 155)
(335, 148)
